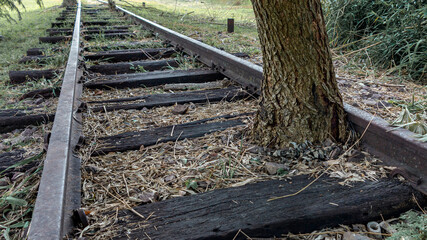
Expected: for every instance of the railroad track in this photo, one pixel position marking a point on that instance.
(130, 67)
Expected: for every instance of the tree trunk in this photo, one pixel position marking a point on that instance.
(300, 97)
(69, 3)
(112, 5)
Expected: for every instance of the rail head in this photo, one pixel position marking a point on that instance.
(396, 147)
(48, 216)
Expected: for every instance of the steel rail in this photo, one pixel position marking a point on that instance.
(55, 192)
(59, 189)
(396, 147)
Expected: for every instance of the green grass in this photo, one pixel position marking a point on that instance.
(17, 201)
(391, 33)
(205, 21)
(210, 10)
(413, 225)
(17, 198)
(20, 36)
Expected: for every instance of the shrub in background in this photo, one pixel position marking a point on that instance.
(393, 32)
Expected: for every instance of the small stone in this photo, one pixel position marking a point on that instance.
(273, 168)
(369, 102)
(28, 131)
(148, 197)
(328, 142)
(354, 236)
(361, 85)
(180, 109)
(321, 155)
(182, 193)
(276, 153)
(302, 146)
(315, 154)
(169, 178)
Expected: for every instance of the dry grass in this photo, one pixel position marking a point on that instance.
(224, 159)
(191, 166)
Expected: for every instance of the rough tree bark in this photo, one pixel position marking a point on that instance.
(69, 3)
(300, 97)
(112, 5)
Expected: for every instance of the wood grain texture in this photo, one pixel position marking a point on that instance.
(130, 54)
(134, 140)
(169, 99)
(219, 214)
(17, 77)
(10, 123)
(150, 79)
(131, 67)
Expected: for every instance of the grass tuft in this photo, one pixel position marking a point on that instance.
(389, 33)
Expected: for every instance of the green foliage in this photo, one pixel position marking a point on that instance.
(137, 69)
(227, 168)
(413, 116)
(7, 6)
(413, 226)
(191, 184)
(282, 172)
(204, 20)
(17, 39)
(16, 199)
(392, 32)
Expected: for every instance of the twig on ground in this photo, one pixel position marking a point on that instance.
(125, 203)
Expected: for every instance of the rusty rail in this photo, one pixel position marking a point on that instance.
(57, 191)
(395, 147)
